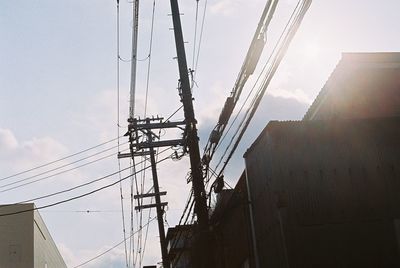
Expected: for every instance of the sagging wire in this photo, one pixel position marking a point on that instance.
(118, 135)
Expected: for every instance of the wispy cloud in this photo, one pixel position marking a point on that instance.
(113, 258)
(27, 153)
(224, 7)
(297, 94)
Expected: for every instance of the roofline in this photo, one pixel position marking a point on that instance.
(354, 57)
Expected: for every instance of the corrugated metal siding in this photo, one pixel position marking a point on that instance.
(335, 186)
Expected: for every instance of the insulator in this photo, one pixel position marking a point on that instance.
(226, 111)
(214, 137)
(219, 184)
(255, 55)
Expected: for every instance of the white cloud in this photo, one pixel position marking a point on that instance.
(297, 94)
(210, 108)
(101, 113)
(230, 7)
(28, 157)
(224, 7)
(7, 139)
(67, 254)
(18, 155)
(113, 258)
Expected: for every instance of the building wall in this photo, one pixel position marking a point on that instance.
(25, 241)
(363, 85)
(231, 228)
(326, 193)
(16, 237)
(46, 253)
(179, 240)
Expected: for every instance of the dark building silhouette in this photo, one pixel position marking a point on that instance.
(326, 194)
(363, 85)
(324, 191)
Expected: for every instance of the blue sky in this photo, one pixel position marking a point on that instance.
(58, 90)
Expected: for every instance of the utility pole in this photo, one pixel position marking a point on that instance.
(203, 251)
(160, 210)
(192, 138)
(136, 128)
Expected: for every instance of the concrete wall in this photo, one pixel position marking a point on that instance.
(25, 241)
(45, 250)
(16, 237)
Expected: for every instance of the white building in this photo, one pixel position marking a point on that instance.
(25, 241)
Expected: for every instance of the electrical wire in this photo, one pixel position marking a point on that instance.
(294, 23)
(57, 160)
(110, 249)
(249, 64)
(195, 33)
(63, 166)
(82, 185)
(255, 83)
(143, 178)
(56, 174)
(250, 92)
(258, 96)
(176, 111)
(88, 211)
(200, 39)
(141, 244)
(133, 178)
(75, 197)
(149, 57)
(118, 135)
(176, 259)
(149, 216)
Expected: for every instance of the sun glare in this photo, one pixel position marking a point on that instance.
(311, 50)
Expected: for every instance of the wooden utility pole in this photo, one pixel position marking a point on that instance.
(202, 255)
(137, 128)
(192, 138)
(160, 209)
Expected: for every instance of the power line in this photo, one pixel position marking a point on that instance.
(110, 249)
(78, 196)
(259, 94)
(176, 111)
(143, 249)
(251, 91)
(75, 187)
(87, 211)
(65, 165)
(294, 23)
(149, 57)
(118, 135)
(143, 178)
(195, 32)
(58, 160)
(200, 38)
(56, 174)
(83, 185)
(249, 64)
